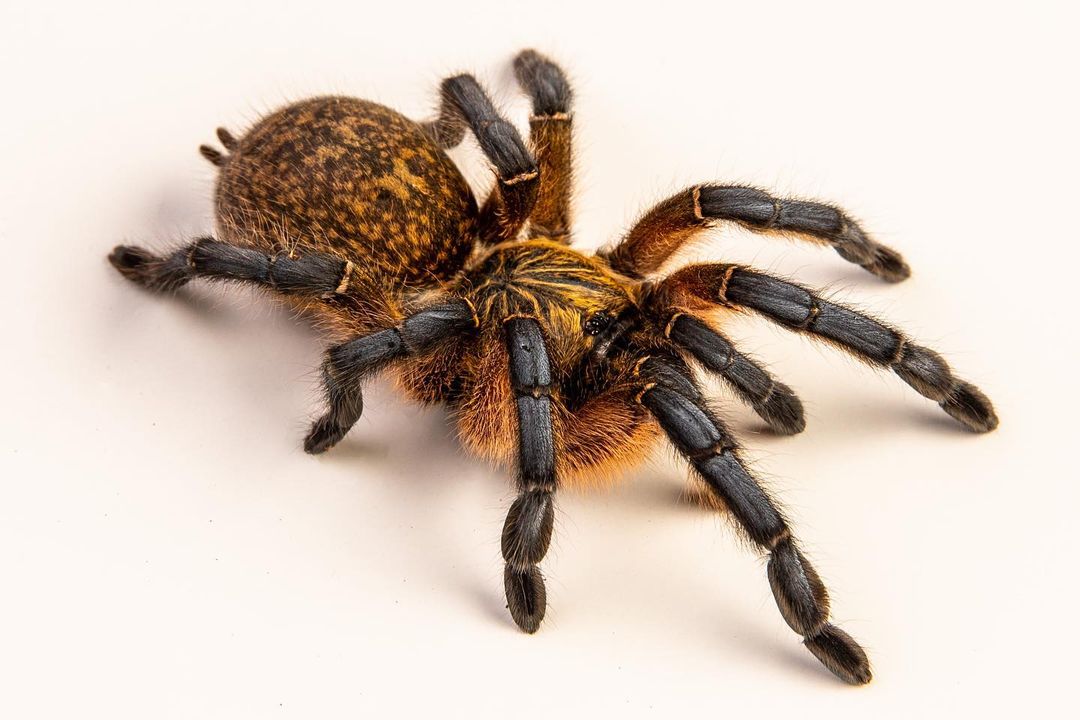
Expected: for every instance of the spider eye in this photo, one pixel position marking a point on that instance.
(596, 323)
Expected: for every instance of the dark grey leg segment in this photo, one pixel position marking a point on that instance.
(775, 402)
(527, 532)
(349, 364)
(759, 210)
(671, 223)
(312, 274)
(799, 308)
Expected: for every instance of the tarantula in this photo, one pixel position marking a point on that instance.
(563, 364)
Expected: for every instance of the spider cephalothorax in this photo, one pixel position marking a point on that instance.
(566, 365)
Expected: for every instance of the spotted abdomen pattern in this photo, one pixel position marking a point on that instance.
(352, 178)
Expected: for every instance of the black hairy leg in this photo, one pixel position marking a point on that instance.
(671, 223)
(527, 532)
(465, 105)
(347, 365)
(775, 402)
(315, 274)
(551, 137)
(801, 309)
(670, 395)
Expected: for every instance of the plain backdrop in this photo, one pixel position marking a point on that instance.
(167, 550)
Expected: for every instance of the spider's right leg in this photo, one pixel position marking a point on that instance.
(671, 396)
(347, 365)
(671, 223)
(776, 403)
(551, 137)
(466, 105)
(801, 309)
(316, 274)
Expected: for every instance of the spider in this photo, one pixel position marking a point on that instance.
(561, 364)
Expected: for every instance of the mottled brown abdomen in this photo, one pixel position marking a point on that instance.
(352, 178)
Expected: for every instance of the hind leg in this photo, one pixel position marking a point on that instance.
(315, 274)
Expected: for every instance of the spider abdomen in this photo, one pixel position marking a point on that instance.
(352, 178)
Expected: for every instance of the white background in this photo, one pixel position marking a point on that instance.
(168, 551)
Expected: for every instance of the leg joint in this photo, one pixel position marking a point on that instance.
(811, 315)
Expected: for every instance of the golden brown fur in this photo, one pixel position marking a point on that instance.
(553, 143)
(359, 181)
(560, 288)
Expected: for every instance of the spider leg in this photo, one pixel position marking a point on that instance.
(347, 365)
(551, 138)
(671, 223)
(527, 532)
(801, 309)
(672, 398)
(315, 274)
(465, 104)
(775, 402)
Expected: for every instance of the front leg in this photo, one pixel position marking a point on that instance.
(527, 532)
(313, 274)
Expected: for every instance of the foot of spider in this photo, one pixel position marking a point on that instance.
(526, 597)
(148, 270)
(890, 265)
(783, 411)
(970, 406)
(885, 262)
(324, 434)
(840, 654)
(132, 262)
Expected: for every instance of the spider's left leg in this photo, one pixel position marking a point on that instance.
(551, 137)
(801, 309)
(671, 396)
(671, 223)
(465, 104)
(314, 274)
(349, 364)
(527, 532)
